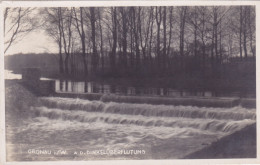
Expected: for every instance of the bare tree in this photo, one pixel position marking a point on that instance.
(124, 20)
(66, 30)
(79, 22)
(245, 28)
(101, 40)
(187, 39)
(18, 22)
(158, 17)
(93, 20)
(136, 12)
(114, 32)
(251, 25)
(164, 39)
(183, 12)
(144, 31)
(52, 26)
(151, 21)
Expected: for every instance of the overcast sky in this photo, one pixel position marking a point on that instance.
(35, 42)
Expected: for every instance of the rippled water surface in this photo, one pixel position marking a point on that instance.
(135, 131)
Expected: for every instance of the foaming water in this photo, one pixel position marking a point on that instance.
(140, 120)
(159, 130)
(235, 113)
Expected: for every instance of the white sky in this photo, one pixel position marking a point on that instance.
(34, 42)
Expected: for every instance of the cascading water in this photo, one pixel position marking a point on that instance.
(236, 113)
(158, 130)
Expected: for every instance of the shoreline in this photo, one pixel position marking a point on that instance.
(240, 144)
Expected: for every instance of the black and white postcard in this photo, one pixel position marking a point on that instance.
(170, 81)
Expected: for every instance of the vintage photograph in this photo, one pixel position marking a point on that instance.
(130, 82)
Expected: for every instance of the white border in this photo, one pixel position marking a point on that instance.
(2, 106)
(122, 3)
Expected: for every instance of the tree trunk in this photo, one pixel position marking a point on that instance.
(124, 40)
(67, 64)
(158, 21)
(113, 52)
(250, 31)
(151, 38)
(169, 69)
(240, 31)
(216, 35)
(101, 42)
(182, 28)
(244, 31)
(164, 41)
(94, 59)
(137, 50)
(212, 51)
(61, 69)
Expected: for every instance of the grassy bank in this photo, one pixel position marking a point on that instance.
(241, 144)
(17, 102)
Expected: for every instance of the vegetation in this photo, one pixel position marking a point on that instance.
(150, 41)
(18, 22)
(203, 43)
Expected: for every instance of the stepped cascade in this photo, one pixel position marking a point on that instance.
(199, 118)
(75, 124)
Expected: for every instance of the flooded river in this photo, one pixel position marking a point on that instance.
(76, 129)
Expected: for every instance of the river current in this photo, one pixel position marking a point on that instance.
(76, 129)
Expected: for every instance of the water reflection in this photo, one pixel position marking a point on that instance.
(93, 87)
(9, 75)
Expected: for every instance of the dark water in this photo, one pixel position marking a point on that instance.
(94, 87)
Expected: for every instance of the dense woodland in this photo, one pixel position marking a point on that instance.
(204, 42)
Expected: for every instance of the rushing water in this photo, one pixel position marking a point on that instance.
(76, 129)
(111, 130)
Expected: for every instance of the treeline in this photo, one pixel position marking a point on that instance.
(150, 41)
(44, 61)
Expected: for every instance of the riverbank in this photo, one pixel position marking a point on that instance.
(17, 103)
(241, 144)
(18, 100)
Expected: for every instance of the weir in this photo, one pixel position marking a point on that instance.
(101, 123)
(115, 126)
(199, 118)
(236, 113)
(189, 101)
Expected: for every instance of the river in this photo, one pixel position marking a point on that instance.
(90, 130)
(76, 129)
